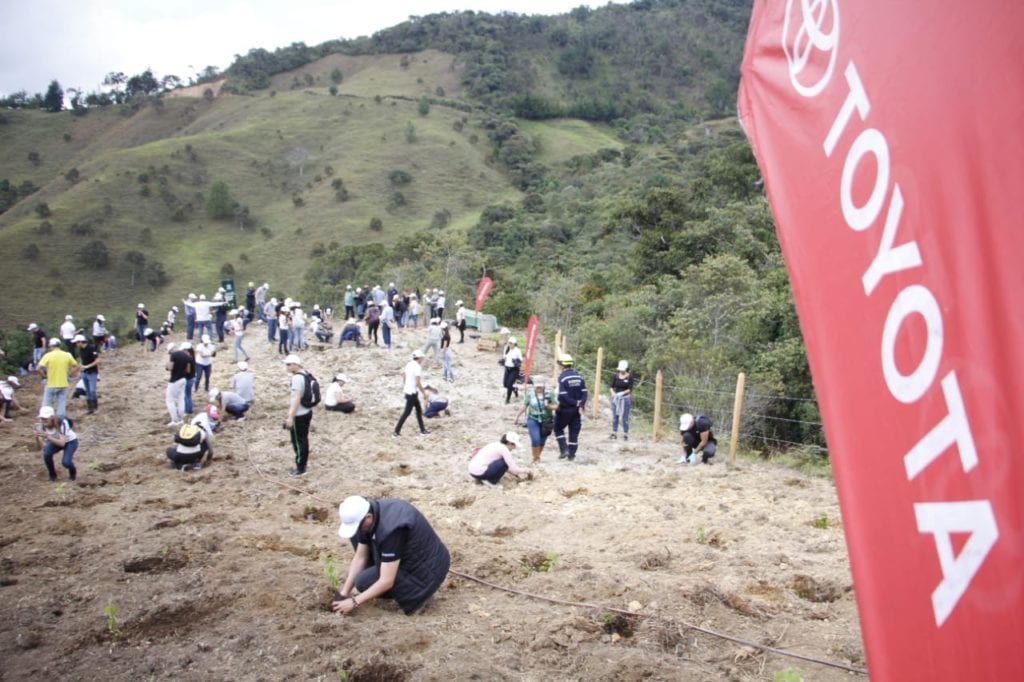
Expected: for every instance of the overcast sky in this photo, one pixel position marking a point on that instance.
(79, 41)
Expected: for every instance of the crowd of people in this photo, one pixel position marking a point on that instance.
(397, 553)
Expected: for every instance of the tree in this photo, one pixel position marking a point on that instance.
(142, 84)
(423, 107)
(136, 262)
(219, 203)
(336, 76)
(53, 100)
(155, 274)
(94, 255)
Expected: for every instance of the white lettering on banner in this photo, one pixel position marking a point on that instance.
(913, 299)
(888, 259)
(952, 430)
(809, 40)
(942, 519)
(806, 48)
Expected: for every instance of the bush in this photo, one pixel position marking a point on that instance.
(396, 200)
(219, 203)
(423, 106)
(43, 210)
(333, 90)
(94, 255)
(399, 177)
(336, 76)
(511, 308)
(227, 270)
(376, 224)
(30, 252)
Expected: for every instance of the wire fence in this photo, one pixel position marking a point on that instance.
(769, 422)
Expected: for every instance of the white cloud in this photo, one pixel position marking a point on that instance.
(79, 42)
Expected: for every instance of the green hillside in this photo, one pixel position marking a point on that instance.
(589, 163)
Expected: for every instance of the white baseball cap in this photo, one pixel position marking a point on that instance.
(623, 365)
(685, 421)
(32, 327)
(512, 438)
(54, 342)
(13, 380)
(78, 339)
(45, 412)
(352, 512)
(68, 318)
(243, 365)
(293, 359)
(416, 355)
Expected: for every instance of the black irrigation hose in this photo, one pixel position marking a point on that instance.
(623, 612)
(634, 614)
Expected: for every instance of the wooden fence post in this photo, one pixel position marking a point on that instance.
(658, 386)
(595, 411)
(737, 407)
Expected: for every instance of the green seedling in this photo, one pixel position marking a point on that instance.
(821, 521)
(331, 571)
(702, 536)
(110, 611)
(788, 675)
(165, 550)
(549, 562)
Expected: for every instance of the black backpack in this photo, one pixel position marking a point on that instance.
(311, 393)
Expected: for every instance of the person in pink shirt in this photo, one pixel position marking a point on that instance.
(489, 463)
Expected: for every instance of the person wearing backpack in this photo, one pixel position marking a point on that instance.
(54, 434)
(304, 395)
(192, 442)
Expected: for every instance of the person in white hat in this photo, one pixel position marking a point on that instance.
(261, 301)
(412, 388)
(413, 311)
(7, 388)
(67, 334)
(539, 406)
(53, 434)
(621, 399)
(141, 322)
(350, 302)
(39, 344)
(99, 332)
(335, 399)
(242, 395)
(58, 368)
(397, 555)
(179, 364)
(300, 413)
(460, 320)
(512, 360)
(493, 460)
(434, 334)
(237, 327)
(89, 366)
(699, 442)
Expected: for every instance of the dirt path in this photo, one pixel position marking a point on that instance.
(142, 572)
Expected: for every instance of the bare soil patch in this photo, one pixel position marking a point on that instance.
(218, 574)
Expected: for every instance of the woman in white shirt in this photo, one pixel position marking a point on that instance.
(205, 350)
(335, 400)
(513, 359)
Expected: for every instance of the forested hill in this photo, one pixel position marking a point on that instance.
(674, 58)
(590, 164)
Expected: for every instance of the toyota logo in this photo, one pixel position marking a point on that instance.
(809, 39)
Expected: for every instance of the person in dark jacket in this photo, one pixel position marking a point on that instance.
(397, 554)
(572, 398)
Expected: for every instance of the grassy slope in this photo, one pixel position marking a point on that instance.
(243, 141)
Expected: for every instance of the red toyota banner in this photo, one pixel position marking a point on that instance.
(482, 290)
(891, 137)
(532, 332)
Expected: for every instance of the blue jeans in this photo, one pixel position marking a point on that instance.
(271, 329)
(190, 326)
(90, 385)
(189, 383)
(238, 348)
(202, 374)
(282, 343)
(386, 331)
(49, 450)
(204, 328)
(537, 435)
(60, 395)
(621, 405)
(495, 470)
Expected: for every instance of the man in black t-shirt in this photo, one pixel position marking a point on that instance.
(179, 364)
(88, 364)
(398, 554)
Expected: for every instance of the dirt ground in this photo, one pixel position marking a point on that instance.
(139, 571)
